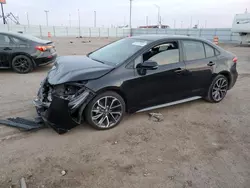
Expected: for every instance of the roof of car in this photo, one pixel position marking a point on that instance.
(159, 37)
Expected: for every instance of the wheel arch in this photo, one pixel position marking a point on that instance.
(227, 75)
(21, 53)
(118, 91)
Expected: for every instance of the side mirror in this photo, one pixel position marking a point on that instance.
(148, 65)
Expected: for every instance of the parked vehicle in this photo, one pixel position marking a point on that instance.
(133, 75)
(23, 52)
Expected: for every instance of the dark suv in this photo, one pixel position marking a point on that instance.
(132, 75)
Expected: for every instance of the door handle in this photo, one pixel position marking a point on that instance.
(179, 70)
(7, 48)
(210, 63)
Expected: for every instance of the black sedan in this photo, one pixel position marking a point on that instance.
(23, 52)
(133, 75)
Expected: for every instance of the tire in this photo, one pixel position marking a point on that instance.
(103, 117)
(22, 64)
(218, 89)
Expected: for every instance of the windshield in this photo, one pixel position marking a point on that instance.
(117, 52)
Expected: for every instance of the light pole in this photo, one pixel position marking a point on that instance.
(94, 18)
(159, 16)
(69, 20)
(79, 22)
(4, 21)
(47, 19)
(28, 21)
(130, 17)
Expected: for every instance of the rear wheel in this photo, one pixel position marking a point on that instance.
(218, 89)
(105, 111)
(22, 64)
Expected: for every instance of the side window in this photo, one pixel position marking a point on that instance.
(163, 54)
(194, 50)
(18, 41)
(209, 50)
(217, 52)
(4, 40)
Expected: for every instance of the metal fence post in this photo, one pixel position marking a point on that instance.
(54, 30)
(40, 28)
(108, 32)
(67, 31)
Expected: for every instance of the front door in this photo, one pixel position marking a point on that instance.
(165, 84)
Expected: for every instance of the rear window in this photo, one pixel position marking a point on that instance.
(209, 50)
(194, 50)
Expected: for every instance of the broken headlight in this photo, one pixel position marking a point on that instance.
(75, 93)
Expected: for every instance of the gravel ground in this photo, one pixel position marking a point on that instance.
(197, 145)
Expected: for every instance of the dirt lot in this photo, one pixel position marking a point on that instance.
(197, 145)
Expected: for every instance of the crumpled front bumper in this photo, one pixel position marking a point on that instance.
(58, 115)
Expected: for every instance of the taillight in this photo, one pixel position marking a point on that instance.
(41, 48)
(235, 59)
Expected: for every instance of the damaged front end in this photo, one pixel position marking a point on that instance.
(61, 106)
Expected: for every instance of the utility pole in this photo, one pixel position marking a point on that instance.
(4, 22)
(28, 21)
(69, 20)
(79, 22)
(47, 19)
(94, 18)
(130, 17)
(159, 16)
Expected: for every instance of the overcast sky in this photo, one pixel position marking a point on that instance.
(217, 13)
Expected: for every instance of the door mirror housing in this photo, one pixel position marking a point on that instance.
(148, 65)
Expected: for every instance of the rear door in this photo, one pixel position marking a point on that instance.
(199, 65)
(5, 51)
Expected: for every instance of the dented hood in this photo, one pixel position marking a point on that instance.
(76, 68)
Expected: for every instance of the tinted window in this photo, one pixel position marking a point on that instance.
(18, 41)
(117, 52)
(194, 50)
(209, 50)
(163, 54)
(217, 52)
(4, 40)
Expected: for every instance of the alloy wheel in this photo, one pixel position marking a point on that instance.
(219, 89)
(106, 112)
(21, 65)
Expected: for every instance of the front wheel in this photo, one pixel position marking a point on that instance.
(105, 111)
(218, 89)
